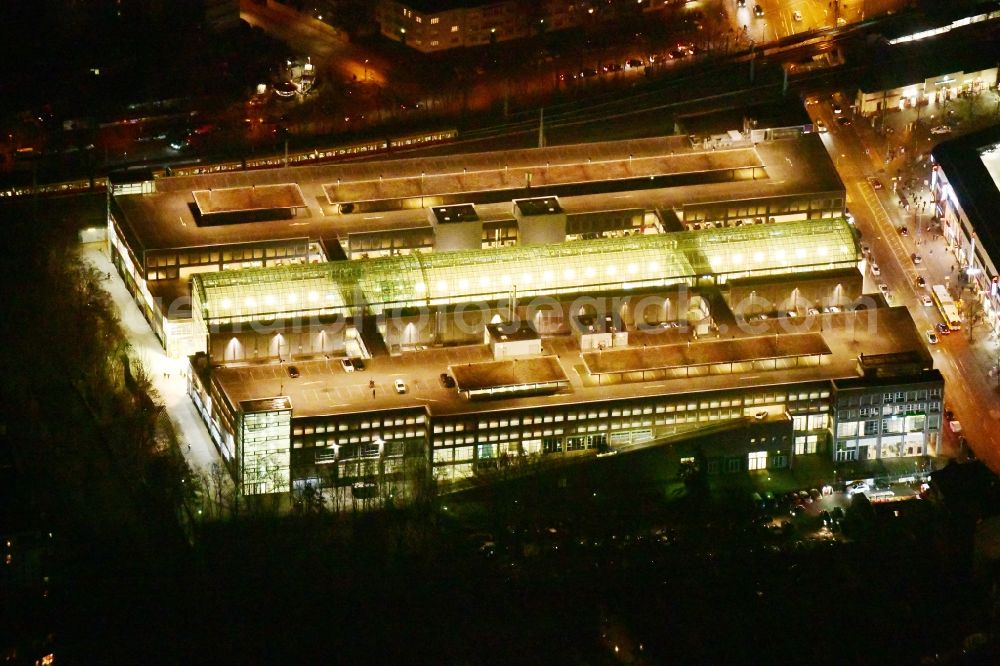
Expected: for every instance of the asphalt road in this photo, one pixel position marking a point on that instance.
(969, 389)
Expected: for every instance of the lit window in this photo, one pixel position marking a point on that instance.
(757, 460)
(454, 28)
(435, 20)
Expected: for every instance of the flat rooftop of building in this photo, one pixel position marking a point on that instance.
(508, 373)
(455, 213)
(710, 352)
(266, 404)
(560, 169)
(891, 359)
(974, 176)
(324, 388)
(244, 199)
(927, 374)
(166, 219)
(591, 323)
(512, 331)
(538, 206)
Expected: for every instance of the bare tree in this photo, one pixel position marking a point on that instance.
(972, 310)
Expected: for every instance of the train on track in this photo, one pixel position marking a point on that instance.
(299, 158)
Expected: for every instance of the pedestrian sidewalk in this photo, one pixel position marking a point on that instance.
(168, 374)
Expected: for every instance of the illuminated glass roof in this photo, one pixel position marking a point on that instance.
(565, 268)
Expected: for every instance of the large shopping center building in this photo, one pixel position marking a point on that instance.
(553, 303)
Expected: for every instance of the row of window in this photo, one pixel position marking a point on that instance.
(172, 272)
(341, 426)
(762, 209)
(893, 425)
(812, 422)
(756, 460)
(546, 445)
(854, 399)
(200, 257)
(851, 451)
(889, 409)
(663, 408)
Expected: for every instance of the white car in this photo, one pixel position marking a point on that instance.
(941, 129)
(931, 337)
(345, 363)
(796, 15)
(884, 288)
(400, 386)
(876, 271)
(859, 487)
(926, 300)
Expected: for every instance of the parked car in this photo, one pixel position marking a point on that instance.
(400, 386)
(876, 271)
(884, 288)
(942, 328)
(345, 363)
(357, 364)
(932, 337)
(926, 300)
(293, 372)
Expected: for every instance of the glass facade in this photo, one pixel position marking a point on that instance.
(264, 450)
(454, 277)
(879, 422)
